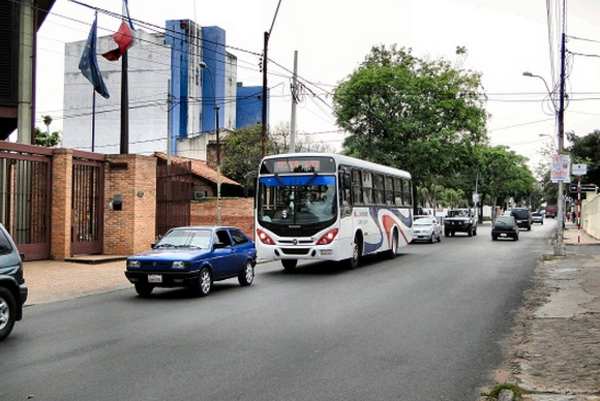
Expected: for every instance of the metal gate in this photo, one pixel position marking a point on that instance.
(87, 222)
(173, 196)
(25, 197)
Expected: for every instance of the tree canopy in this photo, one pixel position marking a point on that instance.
(424, 116)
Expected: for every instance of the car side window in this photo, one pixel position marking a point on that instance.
(238, 237)
(5, 247)
(222, 237)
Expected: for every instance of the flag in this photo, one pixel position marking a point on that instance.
(89, 63)
(123, 37)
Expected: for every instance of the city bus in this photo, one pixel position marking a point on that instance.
(320, 206)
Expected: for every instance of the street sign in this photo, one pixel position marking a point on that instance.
(584, 188)
(579, 169)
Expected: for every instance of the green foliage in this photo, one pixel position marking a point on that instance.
(242, 152)
(585, 150)
(419, 115)
(43, 138)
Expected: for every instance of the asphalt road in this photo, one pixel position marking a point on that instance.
(428, 325)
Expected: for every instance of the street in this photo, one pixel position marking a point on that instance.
(428, 325)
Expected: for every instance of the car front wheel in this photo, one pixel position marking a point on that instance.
(246, 277)
(205, 282)
(8, 310)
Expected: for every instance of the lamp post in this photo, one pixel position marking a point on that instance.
(203, 65)
(559, 246)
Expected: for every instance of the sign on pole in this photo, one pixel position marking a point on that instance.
(561, 168)
(579, 169)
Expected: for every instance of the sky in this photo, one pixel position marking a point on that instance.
(504, 38)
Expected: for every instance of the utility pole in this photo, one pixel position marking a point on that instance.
(294, 102)
(27, 34)
(264, 96)
(559, 249)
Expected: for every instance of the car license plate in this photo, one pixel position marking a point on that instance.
(503, 235)
(155, 278)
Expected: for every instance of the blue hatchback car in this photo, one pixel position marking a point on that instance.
(194, 257)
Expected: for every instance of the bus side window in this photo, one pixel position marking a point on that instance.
(357, 187)
(398, 192)
(344, 190)
(389, 191)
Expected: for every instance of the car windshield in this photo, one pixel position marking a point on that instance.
(458, 213)
(520, 213)
(423, 222)
(188, 238)
(505, 220)
(297, 199)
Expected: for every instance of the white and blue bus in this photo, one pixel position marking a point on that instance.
(320, 206)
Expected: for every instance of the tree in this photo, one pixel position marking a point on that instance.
(242, 152)
(419, 115)
(585, 150)
(45, 138)
(242, 149)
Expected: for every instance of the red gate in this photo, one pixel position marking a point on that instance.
(25, 197)
(87, 234)
(173, 196)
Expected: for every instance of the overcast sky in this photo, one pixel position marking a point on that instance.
(504, 38)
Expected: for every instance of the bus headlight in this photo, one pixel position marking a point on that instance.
(264, 237)
(328, 237)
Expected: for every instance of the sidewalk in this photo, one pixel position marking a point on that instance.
(554, 350)
(54, 280)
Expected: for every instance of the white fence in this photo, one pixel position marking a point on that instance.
(590, 215)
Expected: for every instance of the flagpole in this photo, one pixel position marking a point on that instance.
(93, 117)
(124, 106)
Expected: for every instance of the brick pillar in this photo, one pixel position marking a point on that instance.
(62, 193)
(130, 230)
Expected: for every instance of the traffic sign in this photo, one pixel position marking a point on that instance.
(584, 188)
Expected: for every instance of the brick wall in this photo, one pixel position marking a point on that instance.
(131, 229)
(62, 170)
(238, 212)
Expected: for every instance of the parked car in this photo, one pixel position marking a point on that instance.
(13, 292)
(537, 217)
(522, 217)
(427, 229)
(194, 257)
(505, 227)
(460, 220)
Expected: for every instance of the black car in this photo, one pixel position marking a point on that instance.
(13, 292)
(460, 220)
(505, 227)
(522, 217)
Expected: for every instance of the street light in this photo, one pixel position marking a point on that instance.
(203, 65)
(559, 247)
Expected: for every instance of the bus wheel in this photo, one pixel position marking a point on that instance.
(391, 253)
(352, 263)
(289, 264)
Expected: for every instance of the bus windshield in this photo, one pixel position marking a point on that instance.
(297, 199)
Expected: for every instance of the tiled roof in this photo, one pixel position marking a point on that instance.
(199, 168)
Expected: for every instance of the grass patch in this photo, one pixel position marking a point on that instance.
(517, 391)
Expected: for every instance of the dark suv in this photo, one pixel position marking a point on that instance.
(13, 292)
(522, 217)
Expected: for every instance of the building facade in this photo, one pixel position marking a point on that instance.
(179, 84)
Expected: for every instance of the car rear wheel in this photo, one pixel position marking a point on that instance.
(143, 290)
(205, 282)
(494, 237)
(289, 264)
(516, 237)
(246, 277)
(8, 312)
